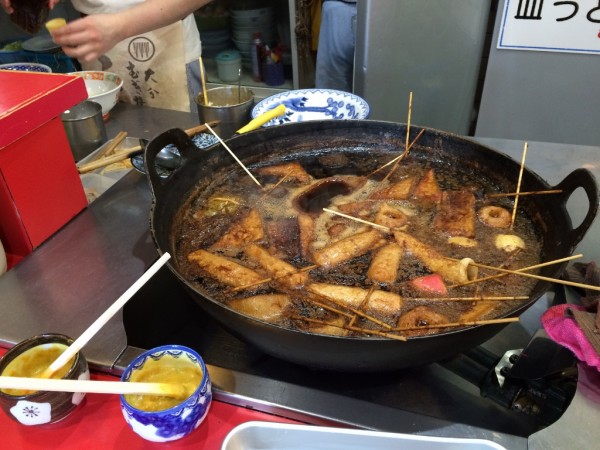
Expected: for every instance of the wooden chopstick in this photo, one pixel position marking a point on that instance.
(128, 153)
(110, 148)
(91, 386)
(91, 331)
(107, 160)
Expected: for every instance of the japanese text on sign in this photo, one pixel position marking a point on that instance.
(571, 26)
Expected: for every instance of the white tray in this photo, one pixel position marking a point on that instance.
(271, 436)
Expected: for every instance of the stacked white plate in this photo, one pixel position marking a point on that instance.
(246, 22)
(215, 41)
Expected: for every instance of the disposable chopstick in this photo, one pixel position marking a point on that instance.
(233, 154)
(105, 317)
(107, 160)
(91, 386)
(110, 148)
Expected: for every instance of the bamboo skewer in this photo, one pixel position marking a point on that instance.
(266, 280)
(203, 82)
(233, 155)
(537, 266)
(88, 334)
(540, 277)
(397, 159)
(514, 211)
(366, 222)
(352, 328)
(469, 299)
(466, 323)
(92, 386)
(523, 194)
(406, 146)
(354, 311)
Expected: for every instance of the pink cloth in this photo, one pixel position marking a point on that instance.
(563, 329)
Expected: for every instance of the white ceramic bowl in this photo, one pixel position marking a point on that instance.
(314, 104)
(26, 67)
(102, 88)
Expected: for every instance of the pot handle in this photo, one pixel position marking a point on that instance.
(174, 136)
(580, 178)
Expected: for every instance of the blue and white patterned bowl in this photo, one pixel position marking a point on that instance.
(26, 67)
(314, 104)
(178, 421)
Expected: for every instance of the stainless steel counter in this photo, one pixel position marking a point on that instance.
(74, 276)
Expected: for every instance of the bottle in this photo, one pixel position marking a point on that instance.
(257, 56)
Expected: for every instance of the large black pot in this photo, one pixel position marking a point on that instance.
(359, 140)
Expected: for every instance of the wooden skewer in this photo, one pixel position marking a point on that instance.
(460, 324)
(203, 81)
(110, 148)
(410, 95)
(266, 280)
(514, 212)
(92, 386)
(233, 155)
(397, 159)
(537, 266)
(468, 299)
(78, 344)
(540, 277)
(354, 311)
(129, 152)
(523, 194)
(353, 328)
(366, 222)
(406, 146)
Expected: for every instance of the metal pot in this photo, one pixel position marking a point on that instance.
(311, 143)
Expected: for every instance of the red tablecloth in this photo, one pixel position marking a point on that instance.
(99, 424)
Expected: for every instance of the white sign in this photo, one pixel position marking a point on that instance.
(571, 26)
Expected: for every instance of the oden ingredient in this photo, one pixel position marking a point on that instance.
(33, 362)
(54, 24)
(180, 371)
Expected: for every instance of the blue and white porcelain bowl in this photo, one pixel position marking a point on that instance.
(42, 407)
(314, 104)
(183, 418)
(26, 67)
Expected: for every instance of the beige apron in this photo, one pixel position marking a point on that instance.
(152, 66)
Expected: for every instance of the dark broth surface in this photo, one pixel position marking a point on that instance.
(205, 217)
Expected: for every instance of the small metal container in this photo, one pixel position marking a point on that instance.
(84, 127)
(230, 104)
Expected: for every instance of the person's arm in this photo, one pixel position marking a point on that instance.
(90, 37)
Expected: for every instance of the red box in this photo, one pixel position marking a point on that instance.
(40, 188)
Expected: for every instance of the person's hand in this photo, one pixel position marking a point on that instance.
(6, 6)
(90, 37)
